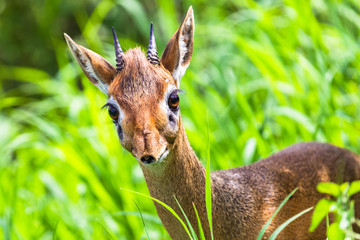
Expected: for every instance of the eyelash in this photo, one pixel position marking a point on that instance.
(178, 91)
(107, 105)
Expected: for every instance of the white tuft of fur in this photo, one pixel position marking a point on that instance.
(180, 70)
(90, 71)
(184, 38)
(84, 60)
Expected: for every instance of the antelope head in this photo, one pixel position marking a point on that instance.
(142, 91)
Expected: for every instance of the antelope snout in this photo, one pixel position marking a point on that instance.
(149, 146)
(147, 159)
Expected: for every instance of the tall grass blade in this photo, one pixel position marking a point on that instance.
(201, 231)
(208, 182)
(54, 232)
(287, 222)
(147, 217)
(187, 220)
(142, 219)
(261, 234)
(109, 235)
(165, 206)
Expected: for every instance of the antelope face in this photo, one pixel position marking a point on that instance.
(143, 93)
(144, 105)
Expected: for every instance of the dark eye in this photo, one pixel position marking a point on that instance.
(114, 113)
(173, 101)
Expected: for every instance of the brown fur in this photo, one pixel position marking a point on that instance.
(171, 53)
(102, 68)
(138, 79)
(171, 58)
(243, 198)
(266, 183)
(134, 89)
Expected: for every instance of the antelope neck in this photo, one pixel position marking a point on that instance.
(181, 171)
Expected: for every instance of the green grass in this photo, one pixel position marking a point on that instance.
(208, 194)
(264, 75)
(262, 232)
(287, 222)
(342, 207)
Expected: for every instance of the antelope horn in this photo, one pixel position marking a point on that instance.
(152, 55)
(120, 62)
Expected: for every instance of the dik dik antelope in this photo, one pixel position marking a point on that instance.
(143, 103)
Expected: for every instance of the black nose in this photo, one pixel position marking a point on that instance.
(147, 159)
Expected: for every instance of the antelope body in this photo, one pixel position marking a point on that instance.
(144, 105)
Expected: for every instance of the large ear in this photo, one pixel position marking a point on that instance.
(177, 54)
(99, 71)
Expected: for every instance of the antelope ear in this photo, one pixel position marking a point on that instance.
(99, 71)
(177, 54)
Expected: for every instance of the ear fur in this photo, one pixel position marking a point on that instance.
(177, 54)
(99, 71)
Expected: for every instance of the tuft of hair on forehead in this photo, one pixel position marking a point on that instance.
(139, 78)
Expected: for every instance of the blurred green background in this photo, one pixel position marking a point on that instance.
(264, 75)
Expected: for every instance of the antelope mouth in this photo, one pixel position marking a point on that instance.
(163, 155)
(150, 159)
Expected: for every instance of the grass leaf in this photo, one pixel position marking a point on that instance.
(201, 231)
(261, 234)
(329, 188)
(142, 219)
(193, 234)
(287, 222)
(208, 183)
(165, 206)
(334, 232)
(354, 188)
(321, 210)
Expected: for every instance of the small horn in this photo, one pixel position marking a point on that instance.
(152, 55)
(120, 62)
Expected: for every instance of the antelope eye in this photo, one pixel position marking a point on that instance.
(113, 112)
(173, 101)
